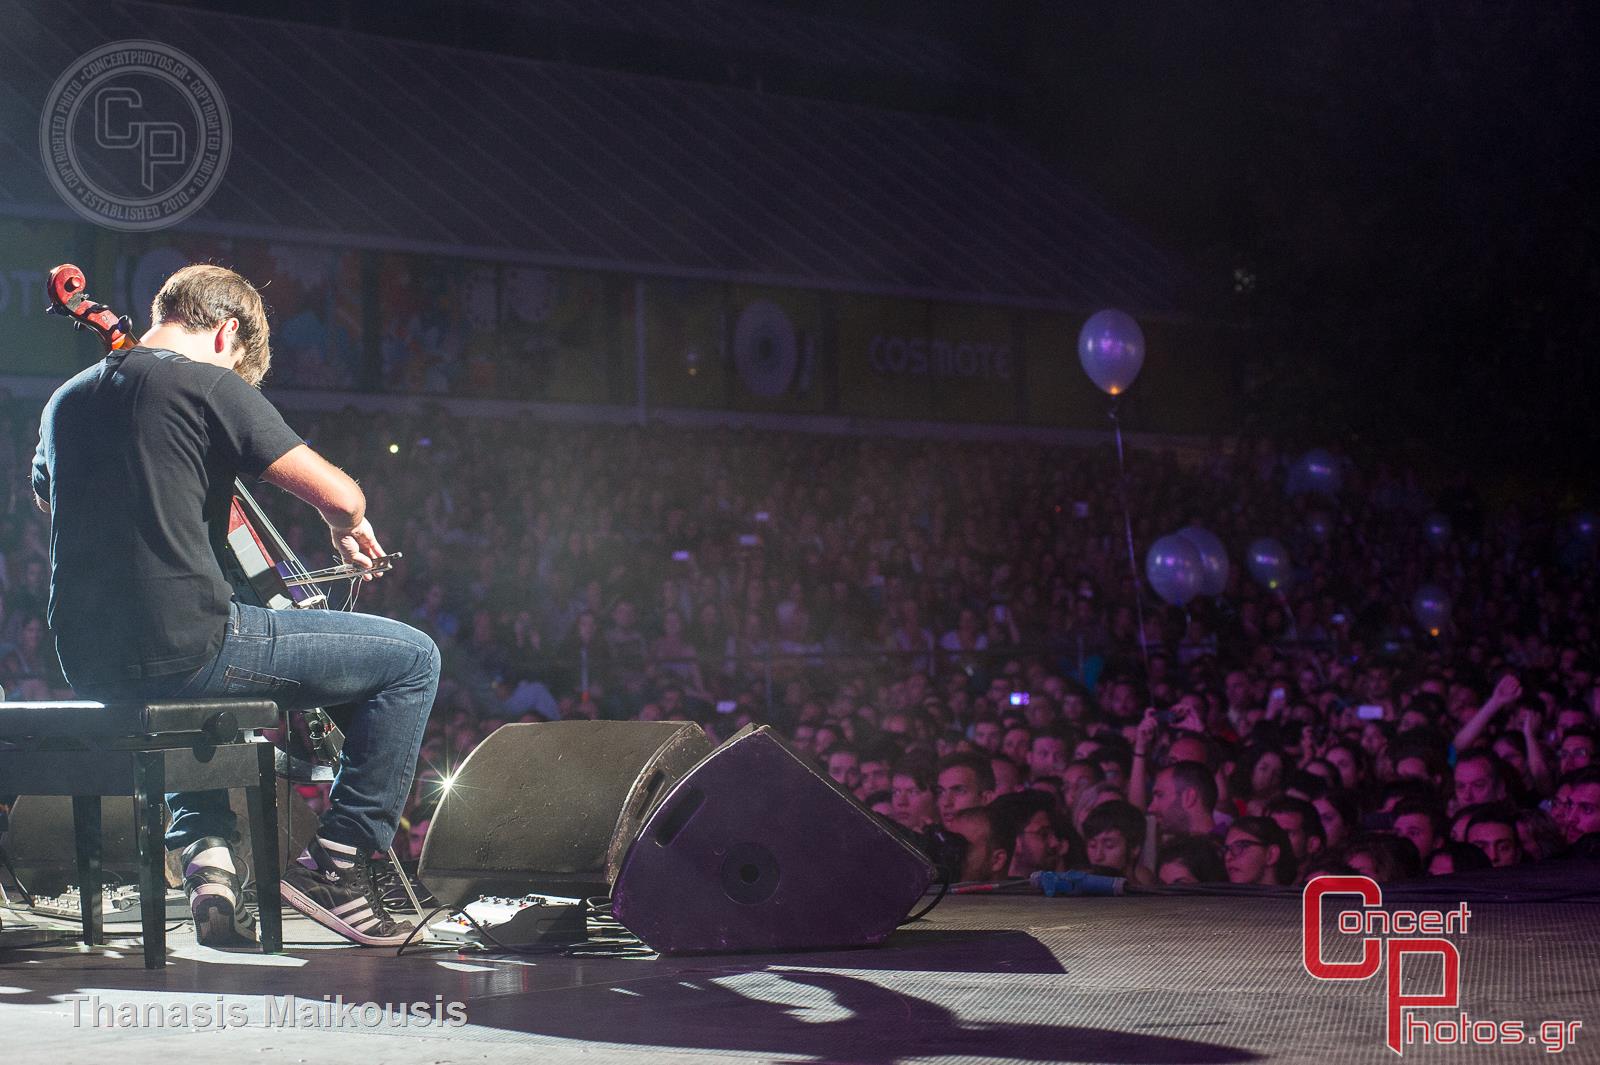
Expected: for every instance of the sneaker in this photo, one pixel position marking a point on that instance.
(332, 885)
(211, 880)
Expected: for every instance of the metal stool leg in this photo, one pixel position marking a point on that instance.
(86, 837)
(149, 787)
(264, 847)
(405, 882)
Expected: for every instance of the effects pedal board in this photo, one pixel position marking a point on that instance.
(529, 921)
(118, 905)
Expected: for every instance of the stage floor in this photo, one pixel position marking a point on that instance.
(1119, 980)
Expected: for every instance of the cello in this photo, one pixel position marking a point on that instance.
(256, 560)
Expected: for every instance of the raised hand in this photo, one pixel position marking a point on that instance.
(1144, 735)
(1509, 690)
(1188, 720)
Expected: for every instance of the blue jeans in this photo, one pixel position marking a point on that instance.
(302, 659)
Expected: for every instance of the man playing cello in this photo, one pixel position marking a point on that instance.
(135, 466)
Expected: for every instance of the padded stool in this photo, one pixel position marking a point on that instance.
(145, 750)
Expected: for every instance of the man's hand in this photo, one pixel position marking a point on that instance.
(1509, 690)
(1188, 720)
(358, 547)
(1144, 734)
(1505, 693)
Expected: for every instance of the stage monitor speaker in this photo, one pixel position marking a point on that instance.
(552, 806)
(754, 850)
(41, 842)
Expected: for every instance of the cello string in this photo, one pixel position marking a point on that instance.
(258, 517)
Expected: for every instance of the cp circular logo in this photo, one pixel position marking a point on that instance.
(135, 135)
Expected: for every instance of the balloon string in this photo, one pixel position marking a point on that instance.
(1294, 633)
(1133, 564)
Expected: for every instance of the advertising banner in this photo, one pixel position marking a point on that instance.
(973, 363)
(462, 328)
(935, 361)
(686, 353)
(774, 344)
(31, 341)
(885, 357)
(1059, 394)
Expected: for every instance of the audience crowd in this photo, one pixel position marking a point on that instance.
(952, 631)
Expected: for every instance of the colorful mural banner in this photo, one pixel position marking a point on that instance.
(313, 296)
(485, 330)
(456, 327)
(565, 335)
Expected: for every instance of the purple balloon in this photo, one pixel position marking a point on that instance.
(1431, 606)
(1174, 569)
(1213, 558)
(1319, 526)
(1317, 472)
(1268, 562)
(1436, 527)
(1111, 348)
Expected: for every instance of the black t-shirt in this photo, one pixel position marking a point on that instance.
(137, 458)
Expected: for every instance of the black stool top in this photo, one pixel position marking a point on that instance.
(88, 720)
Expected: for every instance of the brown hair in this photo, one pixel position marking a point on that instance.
(203, 297)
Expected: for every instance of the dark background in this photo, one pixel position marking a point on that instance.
(1397, 198)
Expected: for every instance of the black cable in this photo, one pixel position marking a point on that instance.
(1020, 886)
(1127, 526)
(418, 927)
(5, 859)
